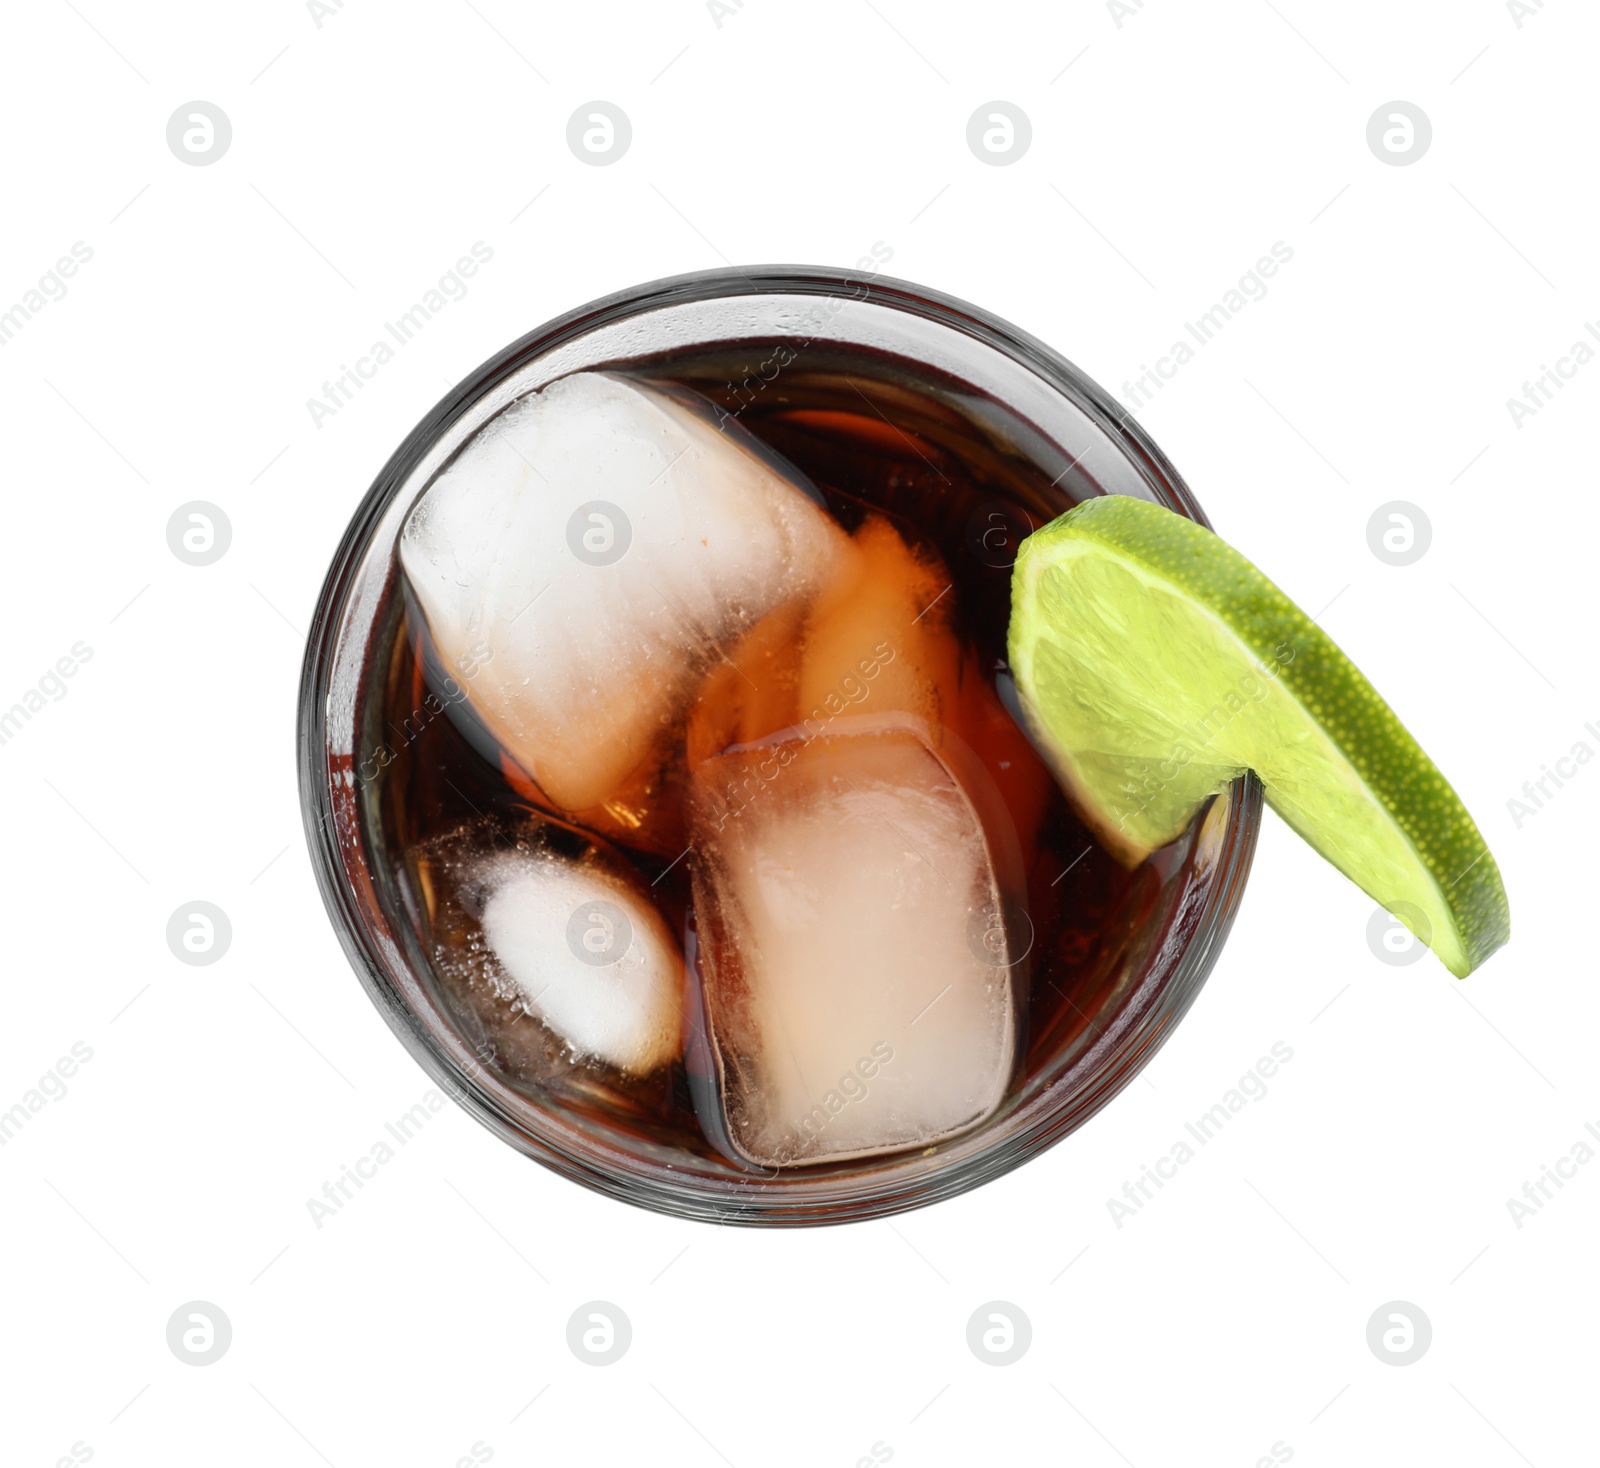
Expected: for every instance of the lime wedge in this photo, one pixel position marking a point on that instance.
(1155, 664)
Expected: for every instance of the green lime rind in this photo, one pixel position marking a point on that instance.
(1155, 664)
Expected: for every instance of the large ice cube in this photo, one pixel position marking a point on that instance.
(857, 991)
(586, 558)
(590, 954)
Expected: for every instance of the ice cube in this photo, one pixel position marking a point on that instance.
(858, 994)
(589, 954)
(584, 561)
(753, 693)
(865, 643)
(876, 639)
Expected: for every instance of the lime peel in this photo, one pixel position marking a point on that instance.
(1156, 664)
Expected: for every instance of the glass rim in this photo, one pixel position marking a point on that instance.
(382, 965)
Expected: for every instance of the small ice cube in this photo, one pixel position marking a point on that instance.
(591, 956)
(584, 560)
(876, 639)
(858, 994)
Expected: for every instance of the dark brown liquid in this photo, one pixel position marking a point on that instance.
(876, 435)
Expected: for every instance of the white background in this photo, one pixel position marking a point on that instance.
(1168, 154)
